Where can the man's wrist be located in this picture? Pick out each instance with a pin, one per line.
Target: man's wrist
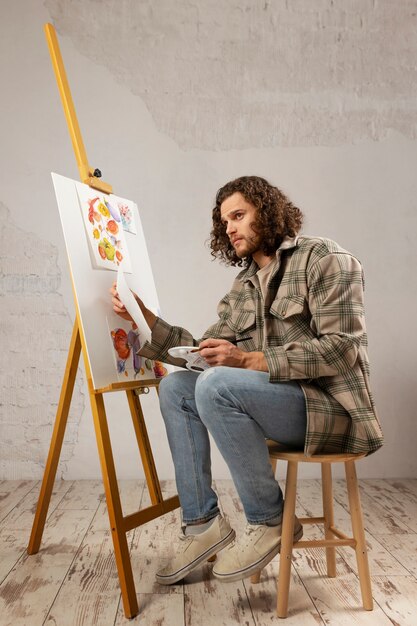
(150, 318)
(255, 361)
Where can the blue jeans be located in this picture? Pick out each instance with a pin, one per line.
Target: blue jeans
(239, 408)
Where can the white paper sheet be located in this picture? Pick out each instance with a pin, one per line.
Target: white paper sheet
(132, 307)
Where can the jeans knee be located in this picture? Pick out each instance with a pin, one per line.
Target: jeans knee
(172, 387)
(207, 386)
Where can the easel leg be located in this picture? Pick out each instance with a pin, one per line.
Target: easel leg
(121, 549)
(144, 447)
(56, 442)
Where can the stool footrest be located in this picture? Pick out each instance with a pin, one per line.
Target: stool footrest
(311, 520)
(324, 543)
(338, 533)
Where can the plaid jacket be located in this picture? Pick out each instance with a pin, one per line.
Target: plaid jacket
(311, 328)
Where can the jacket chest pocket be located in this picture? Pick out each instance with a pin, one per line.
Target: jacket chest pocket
(289, 306)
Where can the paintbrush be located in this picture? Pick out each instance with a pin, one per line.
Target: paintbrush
(235, 341)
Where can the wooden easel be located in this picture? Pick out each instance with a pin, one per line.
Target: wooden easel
(119, 524)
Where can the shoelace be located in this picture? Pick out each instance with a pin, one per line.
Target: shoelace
(186, 539)
(245, 539)
(249, 530)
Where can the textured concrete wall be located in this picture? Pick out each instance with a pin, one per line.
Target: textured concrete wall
(257, 73)
(174, 99)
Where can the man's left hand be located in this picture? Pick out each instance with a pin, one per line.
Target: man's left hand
(222, 352)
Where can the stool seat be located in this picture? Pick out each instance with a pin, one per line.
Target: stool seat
(278, 451)
(333, 536)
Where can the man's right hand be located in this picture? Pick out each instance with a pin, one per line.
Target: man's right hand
(120, 309)
(118, 306)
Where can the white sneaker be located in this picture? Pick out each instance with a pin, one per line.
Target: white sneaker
(195, 549)
(248, 555)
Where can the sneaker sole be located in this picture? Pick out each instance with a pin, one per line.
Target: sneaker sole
(258, 565)
(182, 573)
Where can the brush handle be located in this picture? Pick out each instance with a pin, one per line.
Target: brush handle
(234, 342)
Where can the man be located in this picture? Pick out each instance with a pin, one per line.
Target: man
(300, 377)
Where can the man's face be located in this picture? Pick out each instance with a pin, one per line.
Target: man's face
(238, 215)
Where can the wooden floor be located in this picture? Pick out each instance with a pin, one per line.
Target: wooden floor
(73, 579)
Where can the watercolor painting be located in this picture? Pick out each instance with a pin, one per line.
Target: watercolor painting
(126, 210)
(111, 346)
(129, 365)
(105, 234)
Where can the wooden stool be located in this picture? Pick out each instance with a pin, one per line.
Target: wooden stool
(333, 536)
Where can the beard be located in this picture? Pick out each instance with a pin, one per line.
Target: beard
(247, 246)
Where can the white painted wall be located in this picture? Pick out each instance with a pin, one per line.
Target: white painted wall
(173, 100)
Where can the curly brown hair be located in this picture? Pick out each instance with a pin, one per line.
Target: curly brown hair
(276, 217)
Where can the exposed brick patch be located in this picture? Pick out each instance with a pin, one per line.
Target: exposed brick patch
(35, 332)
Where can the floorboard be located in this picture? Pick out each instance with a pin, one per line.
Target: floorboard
(73, 580)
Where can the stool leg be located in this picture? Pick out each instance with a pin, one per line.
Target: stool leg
(287, 538)
(255, 578)
(327, 491)
(359, 535)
